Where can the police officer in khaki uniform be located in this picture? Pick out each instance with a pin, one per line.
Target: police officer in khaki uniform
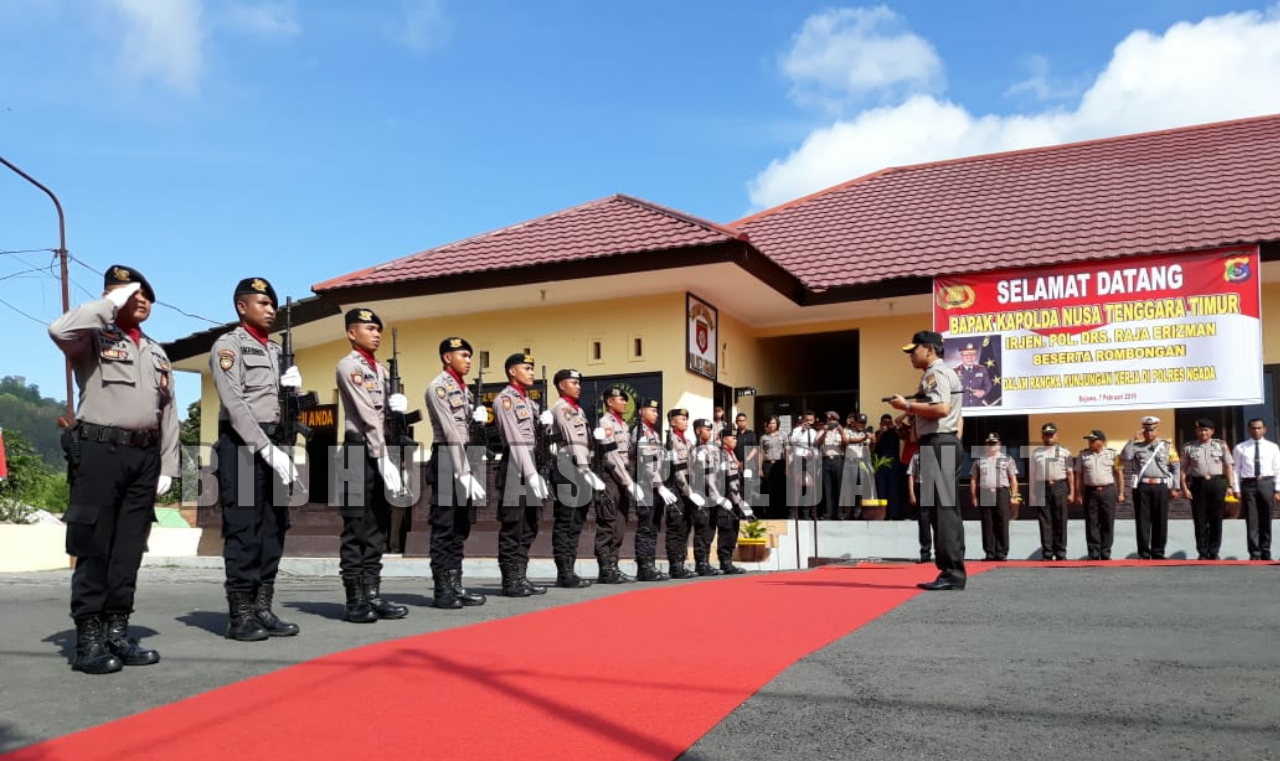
(936, 428)
(707, 483)
(122, 453)
(1053, 489)
(247, 375)
(457, 482)
(572, 482)
(366, 511)
(1206, 477)
(830, 441)
(646, 443)
(521, 490)
(1155, 465)
(975, 378)
(734, 508)
(680, 513)
(993, 480)
(1100, 489)
(623, 491)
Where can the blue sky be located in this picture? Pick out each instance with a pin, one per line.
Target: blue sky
(205, 141)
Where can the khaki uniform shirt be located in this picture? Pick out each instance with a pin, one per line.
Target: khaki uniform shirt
(940, 384)
(995, 472)
(707, 471)
(647, 445)
(1050, 463)
(678, 451)
(449, 405)
(1207, 459)
(571, 428)
(1155, 460)
(774, 445)
(732, 477)
(1097, 468)
(122, 384)
(363, 391)
(619, 458)
(833, 443)
(517, 417)
(246, 375)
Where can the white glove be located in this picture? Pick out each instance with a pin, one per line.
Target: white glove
(747, 474)
(117, 296)
(163, 485)
(480, 414)
(545, 417)
(390, 474)
(280, 463)
(636, 493)
(697, 499)
(398, 403)
(725, 504)
(538, 487)
(594, 481)
(667, 495)
(472, 488)
(747, 512)
(598, 433)
(291, 378)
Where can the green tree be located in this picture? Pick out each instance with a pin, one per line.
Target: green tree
(23, 409)
(31, 481)
(188, 435)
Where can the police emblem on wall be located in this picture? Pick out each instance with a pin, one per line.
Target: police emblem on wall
(702, 337)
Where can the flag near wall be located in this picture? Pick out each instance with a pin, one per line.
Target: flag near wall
(4, 466)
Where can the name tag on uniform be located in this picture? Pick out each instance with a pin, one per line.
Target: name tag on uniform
(455, 398)
(522, 412)
(257, 350)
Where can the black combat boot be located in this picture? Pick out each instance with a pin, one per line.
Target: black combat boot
(511, 586)
(678, 571)
(536, 589)
(92, 655)
(609, 573)
(357, 610)
(648, 570)
(269, 620)
(125, 647)
(728, 568)
(445, 595)
(703, 568)
(566, 578)
(468, 598)
(382, 608)
(243, 625)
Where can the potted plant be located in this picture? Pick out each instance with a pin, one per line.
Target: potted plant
(1231, 510)
(874, 509)
(753, 542)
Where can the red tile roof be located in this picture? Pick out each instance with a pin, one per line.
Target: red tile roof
(606, 227)
(1181, 189)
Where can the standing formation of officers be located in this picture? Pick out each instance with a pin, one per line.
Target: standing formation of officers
(122, 451)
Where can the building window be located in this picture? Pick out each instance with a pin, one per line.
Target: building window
(595, 352)
(484, 360)
(637, 348)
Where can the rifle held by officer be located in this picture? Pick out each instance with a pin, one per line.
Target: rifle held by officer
(292, 401)
(399, 425)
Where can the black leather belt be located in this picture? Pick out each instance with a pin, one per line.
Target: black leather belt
(1255, 480)
(1097, 486)
(1056, 481)
(1205, 478)
(109, 434)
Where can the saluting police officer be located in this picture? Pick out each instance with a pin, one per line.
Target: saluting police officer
(1155, 465)
(122, 453)
(247, 375)
(1206, 478)
(994, 479)
(727, 515)
(646, 443)
(611, 512)
(1100, 489)
(572, 482)
(522, 491)
(679, 513)
(456, 490)
(1053, 489)
(707, 480)
(366, 511)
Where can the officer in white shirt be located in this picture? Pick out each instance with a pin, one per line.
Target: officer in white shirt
(1257, 463)
(802, 492)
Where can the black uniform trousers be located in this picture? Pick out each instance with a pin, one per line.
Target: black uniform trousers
(1256, 496)
(939, 482)
(704, 531)
(1053, 517)
(113, 495)
(1151, 513)
(1208, 502)
(926, 525)
(804, 497)
(253, 530)
(451, 512)
(572, 503)
(648, 524)
(832, 474)
(366, 515)
(1099, 519)
(775, 485)
(727, 525)
(611, 519)
(993, 509)
(518, 514)
(679, 526)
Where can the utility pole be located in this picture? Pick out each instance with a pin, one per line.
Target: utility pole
(62, 260)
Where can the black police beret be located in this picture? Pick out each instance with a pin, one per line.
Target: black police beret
(257, 286)
(677, 412)
(701, 423)
(519, 358)
(928, 337)
(727, 432)
(649, 404)
(453, 343)
(361, 316)
(118, 274)
(993, 438)
(1096, 434)
(566, 374)
(1048, 428)
(1205, 422)
(613, 391)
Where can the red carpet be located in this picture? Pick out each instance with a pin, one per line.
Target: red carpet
(640, 675)
(984, 565)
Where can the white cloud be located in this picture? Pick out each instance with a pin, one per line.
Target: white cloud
(1223, 67)
(1041, 85)
(423, 25)
(844, 54)
(270, 20)
(161, 40)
